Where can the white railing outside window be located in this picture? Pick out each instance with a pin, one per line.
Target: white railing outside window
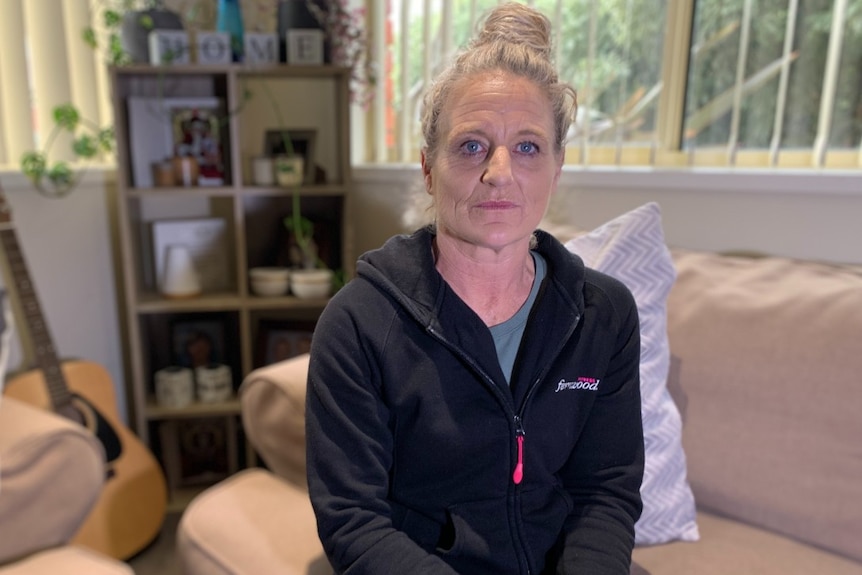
(745, 83)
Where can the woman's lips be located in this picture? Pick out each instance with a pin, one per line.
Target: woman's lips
(496, 205)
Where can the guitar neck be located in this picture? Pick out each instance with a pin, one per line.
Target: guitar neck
(44, 353)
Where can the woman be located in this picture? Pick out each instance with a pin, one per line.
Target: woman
(473, 402)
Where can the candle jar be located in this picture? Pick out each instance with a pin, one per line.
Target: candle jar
(186, 171)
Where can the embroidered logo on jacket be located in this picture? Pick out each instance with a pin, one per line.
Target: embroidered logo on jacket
(590, 383)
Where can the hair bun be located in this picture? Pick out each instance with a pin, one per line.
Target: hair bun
(516, 23)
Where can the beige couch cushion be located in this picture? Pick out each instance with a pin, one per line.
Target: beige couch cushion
(271, 529)
(51, 472)
(68, 559)
(770, 357)
(273, 416)
(727, 547)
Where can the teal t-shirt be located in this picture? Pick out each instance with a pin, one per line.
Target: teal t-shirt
(507, 335)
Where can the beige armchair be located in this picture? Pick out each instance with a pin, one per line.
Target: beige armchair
(51, 473)
(260, 521)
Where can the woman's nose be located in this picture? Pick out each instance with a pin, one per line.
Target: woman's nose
(499, 168)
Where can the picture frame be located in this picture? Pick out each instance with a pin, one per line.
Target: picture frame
(196, 132)
(153, 137)
(195, 342)
(303, 142)
(279, 340)
(205, 445)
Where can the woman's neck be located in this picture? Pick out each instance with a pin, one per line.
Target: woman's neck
(494, 284)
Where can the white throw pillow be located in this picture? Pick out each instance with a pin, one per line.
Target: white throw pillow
(632, 249)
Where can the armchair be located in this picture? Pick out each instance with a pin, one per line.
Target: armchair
(51, 473)
(272, 526)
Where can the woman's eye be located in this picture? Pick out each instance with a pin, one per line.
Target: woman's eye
(527, 148)
(471, 147)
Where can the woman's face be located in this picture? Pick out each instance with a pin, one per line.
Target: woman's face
(496, 165)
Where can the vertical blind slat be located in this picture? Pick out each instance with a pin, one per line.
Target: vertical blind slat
(47, 42)
(99, 59)
(592, 48)
(447, 32)
(379, 50)
(16, 135)
(79, 56)
(406, 112)
(623, 90)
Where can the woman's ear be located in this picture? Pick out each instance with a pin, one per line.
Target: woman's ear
(558, 170)
(426, 171)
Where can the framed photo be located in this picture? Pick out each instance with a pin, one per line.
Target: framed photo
(302, 141)
(196, 133)
(196, 342)
(205, 445)
(157, 130)
(280, 340)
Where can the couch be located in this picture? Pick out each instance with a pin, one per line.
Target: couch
(766, 374)
(51, 473)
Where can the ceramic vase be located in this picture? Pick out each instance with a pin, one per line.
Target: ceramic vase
(134, 35)
(229, 19)
(180, 278)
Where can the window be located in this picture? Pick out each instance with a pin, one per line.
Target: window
(661, 82)
(766, 83)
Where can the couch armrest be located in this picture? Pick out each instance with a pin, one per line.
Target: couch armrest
(51, 473)
(252, 522)
(273, 416)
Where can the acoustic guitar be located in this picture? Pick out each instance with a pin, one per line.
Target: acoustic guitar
(131, 508)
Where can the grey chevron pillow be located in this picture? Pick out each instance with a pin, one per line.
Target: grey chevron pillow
(632, 249)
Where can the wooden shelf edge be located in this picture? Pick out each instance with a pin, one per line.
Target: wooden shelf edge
(155, 411)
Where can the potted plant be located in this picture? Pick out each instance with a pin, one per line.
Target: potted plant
(312, 279)
(127, 24)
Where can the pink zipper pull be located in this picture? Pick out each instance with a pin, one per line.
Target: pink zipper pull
(518, 475)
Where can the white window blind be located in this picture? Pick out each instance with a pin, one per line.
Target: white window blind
(44, 63)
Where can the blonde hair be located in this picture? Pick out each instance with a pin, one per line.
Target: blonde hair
(514, 38)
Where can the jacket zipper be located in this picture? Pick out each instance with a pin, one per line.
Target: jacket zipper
(520, 433)
(518, 474)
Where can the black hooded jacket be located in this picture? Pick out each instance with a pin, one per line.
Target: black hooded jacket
(421, 459)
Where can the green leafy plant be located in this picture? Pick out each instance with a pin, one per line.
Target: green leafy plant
(88, 141)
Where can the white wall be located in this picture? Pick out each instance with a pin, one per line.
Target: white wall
(809, 216)
(67, 242)
(67, 249)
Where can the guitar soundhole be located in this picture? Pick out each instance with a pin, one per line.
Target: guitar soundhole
(92, 419)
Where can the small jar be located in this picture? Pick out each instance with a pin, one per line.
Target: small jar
(163, 174)
(186, 171)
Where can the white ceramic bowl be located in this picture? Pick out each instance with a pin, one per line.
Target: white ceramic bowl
(269, 281)
(308, 284)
